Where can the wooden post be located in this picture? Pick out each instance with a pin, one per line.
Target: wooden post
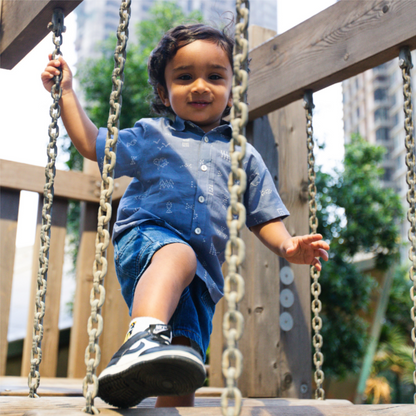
(82, 308)
(9, 207)
(115, 312)
(50, 342)
(276, 362)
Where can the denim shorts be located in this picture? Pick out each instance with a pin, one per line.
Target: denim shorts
(133, 251)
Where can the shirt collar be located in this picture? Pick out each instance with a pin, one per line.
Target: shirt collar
(180, 125)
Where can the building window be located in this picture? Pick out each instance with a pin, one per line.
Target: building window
(388, 173)
(395, 119)
(381, 78)
(358, 112)
(381, 114)
(380, 94)
(382, 134)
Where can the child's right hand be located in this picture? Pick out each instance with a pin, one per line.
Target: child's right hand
(52, 69)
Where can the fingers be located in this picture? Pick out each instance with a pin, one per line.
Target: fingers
(317, 264)
(321, 253)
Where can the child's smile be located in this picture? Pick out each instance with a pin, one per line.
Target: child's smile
(198, 80)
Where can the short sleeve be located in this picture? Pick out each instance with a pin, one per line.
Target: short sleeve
(261, 199)
(128, 149)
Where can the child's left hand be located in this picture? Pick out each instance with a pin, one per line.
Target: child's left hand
(306, 249)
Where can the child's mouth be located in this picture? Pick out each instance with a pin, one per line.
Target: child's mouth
(199, 104)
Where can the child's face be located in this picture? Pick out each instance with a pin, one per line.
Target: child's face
(198, 80)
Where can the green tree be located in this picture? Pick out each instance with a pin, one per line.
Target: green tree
(357, 215)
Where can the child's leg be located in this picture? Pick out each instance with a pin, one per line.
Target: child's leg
(146, 364)
(157, 295)
(159, 289)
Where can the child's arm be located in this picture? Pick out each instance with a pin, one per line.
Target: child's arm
(299, 250)
(79, 127)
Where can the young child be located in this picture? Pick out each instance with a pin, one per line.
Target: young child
(171, 231)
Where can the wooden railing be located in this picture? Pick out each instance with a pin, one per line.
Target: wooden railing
(16, 177)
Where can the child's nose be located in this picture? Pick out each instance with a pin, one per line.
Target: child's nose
(200, 86)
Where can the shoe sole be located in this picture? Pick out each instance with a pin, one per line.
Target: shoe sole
(157, 374)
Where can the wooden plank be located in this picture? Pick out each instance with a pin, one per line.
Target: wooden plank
(50, 340)
(52, 387)
(68, 184)
(9, 207)
(49, 386)
(204, 407)
(82, 308)
(295, 345)
(115, 312)
(216, 378)
(24, 24)
(342, 41)
(260, 308)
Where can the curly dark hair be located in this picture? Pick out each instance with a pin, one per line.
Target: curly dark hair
(171, 42)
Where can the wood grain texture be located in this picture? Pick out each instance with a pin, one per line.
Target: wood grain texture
(68, 184)
(114, 312)
(24, 24)
(342, 41)
(295, 345)
(48, 406)
(9, 207)
(82, 307)
(50, 340)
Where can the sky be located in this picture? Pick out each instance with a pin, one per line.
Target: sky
(25, 112)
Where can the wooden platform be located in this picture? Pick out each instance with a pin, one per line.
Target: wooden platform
(63, 397)
(72, 406)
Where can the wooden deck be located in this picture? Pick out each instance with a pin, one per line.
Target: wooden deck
(72, 406)
(62, 396)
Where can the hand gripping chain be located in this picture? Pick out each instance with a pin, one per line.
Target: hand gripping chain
(95, 322)
(405, 62)
(57, 27)
(236, 217)
(317, 340)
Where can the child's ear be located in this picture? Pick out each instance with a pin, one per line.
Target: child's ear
(230, 101)
(163, 95)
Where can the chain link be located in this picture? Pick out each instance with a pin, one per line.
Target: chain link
(97, 297)
(233, 323)
(405, 62)
(57, 27)
(317, 340)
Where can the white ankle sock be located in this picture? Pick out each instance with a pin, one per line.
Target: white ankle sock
(141, 324)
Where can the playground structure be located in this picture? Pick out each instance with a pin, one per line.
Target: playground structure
(343, 40)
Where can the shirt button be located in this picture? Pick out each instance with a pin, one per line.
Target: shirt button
(204, 168)
(201, 199)
(197, 231)
(206, 140)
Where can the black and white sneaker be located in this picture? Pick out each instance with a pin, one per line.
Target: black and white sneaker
(147, 365)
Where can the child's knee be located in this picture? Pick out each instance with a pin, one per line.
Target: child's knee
(188, 257)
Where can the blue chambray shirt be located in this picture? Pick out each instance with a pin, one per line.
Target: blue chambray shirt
(180, 177)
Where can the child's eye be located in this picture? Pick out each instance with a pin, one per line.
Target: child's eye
(215, 77)
(184, 77)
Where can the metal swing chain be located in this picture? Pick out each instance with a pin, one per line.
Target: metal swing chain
(95, 321)
(233, 323)
(405, 62)
(317, 340)
(57, 27)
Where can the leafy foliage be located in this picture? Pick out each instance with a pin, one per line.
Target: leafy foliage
(357, 215)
